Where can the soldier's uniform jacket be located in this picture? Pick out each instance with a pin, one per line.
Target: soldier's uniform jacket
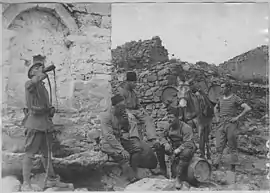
(131, 98)
(38, 105)
(178, 133)
(112, 132)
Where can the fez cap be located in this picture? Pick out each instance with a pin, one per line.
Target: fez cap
(116, 99)
(38, 59)
(131, 76)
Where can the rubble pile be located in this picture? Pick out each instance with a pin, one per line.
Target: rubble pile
(139, 54)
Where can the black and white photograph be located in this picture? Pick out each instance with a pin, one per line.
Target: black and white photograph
(133, 96)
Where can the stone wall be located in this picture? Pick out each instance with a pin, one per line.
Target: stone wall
(74, 37)
(153, 80)
(250, 66)
(139, 54)
(153, 77)
(150, 85)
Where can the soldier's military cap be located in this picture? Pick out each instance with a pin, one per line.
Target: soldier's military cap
(38, 60)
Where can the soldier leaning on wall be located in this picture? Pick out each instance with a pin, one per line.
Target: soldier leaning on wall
(37, 121)
(127, 90)
(120, 140)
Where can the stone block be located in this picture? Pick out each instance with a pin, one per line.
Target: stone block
(152, 78)
(106, 22)
(151, 184)
(67, 166)
(11, 184)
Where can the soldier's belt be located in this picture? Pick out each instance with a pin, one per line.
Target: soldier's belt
(39, 111)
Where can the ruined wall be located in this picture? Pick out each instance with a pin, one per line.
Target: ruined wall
(250, 66)
(139, 54)
(153, 80)
(74, 37)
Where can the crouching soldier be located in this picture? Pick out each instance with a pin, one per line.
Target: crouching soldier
(127, 90)
(120, 140)
(38, 124)
(178, 143)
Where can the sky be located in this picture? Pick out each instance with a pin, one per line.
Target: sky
(210, 32)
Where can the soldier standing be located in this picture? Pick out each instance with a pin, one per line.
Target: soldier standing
(38, 123)
(226, 116)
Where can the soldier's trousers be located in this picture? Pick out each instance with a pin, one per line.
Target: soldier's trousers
(146, 120)
(226, 135)
(143, 117)
(181, 162)
(36, 142)
(141, 154)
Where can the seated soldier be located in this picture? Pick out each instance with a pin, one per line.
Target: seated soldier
(127, 90)
(120, 140)
(178, 142)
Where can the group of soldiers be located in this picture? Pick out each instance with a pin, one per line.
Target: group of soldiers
(122, 128)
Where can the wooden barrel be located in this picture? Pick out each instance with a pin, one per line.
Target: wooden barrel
(199, 170)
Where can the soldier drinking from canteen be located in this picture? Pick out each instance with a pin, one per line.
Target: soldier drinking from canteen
(178, 142)
(38, 123)
(120, 140)
(127, 90)
(226, 115)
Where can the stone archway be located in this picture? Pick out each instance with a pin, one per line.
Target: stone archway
(39, 30)
(13, 10)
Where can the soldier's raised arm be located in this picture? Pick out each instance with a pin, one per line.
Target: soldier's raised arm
(30, 84)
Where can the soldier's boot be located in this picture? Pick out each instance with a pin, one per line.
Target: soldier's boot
(128, 172)
(53, 179)
(202, 144)
(27, 167)
(27, 187)
(180, 168)
(178, 183)
(160, 152)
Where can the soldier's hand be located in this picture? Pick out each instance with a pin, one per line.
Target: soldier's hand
(167, 147)
(125, 155)
(49, 68)
(51, 111)
(177, 151)
(155, 144)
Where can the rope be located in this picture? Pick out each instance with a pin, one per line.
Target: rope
(55, 90)
(47, 139)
